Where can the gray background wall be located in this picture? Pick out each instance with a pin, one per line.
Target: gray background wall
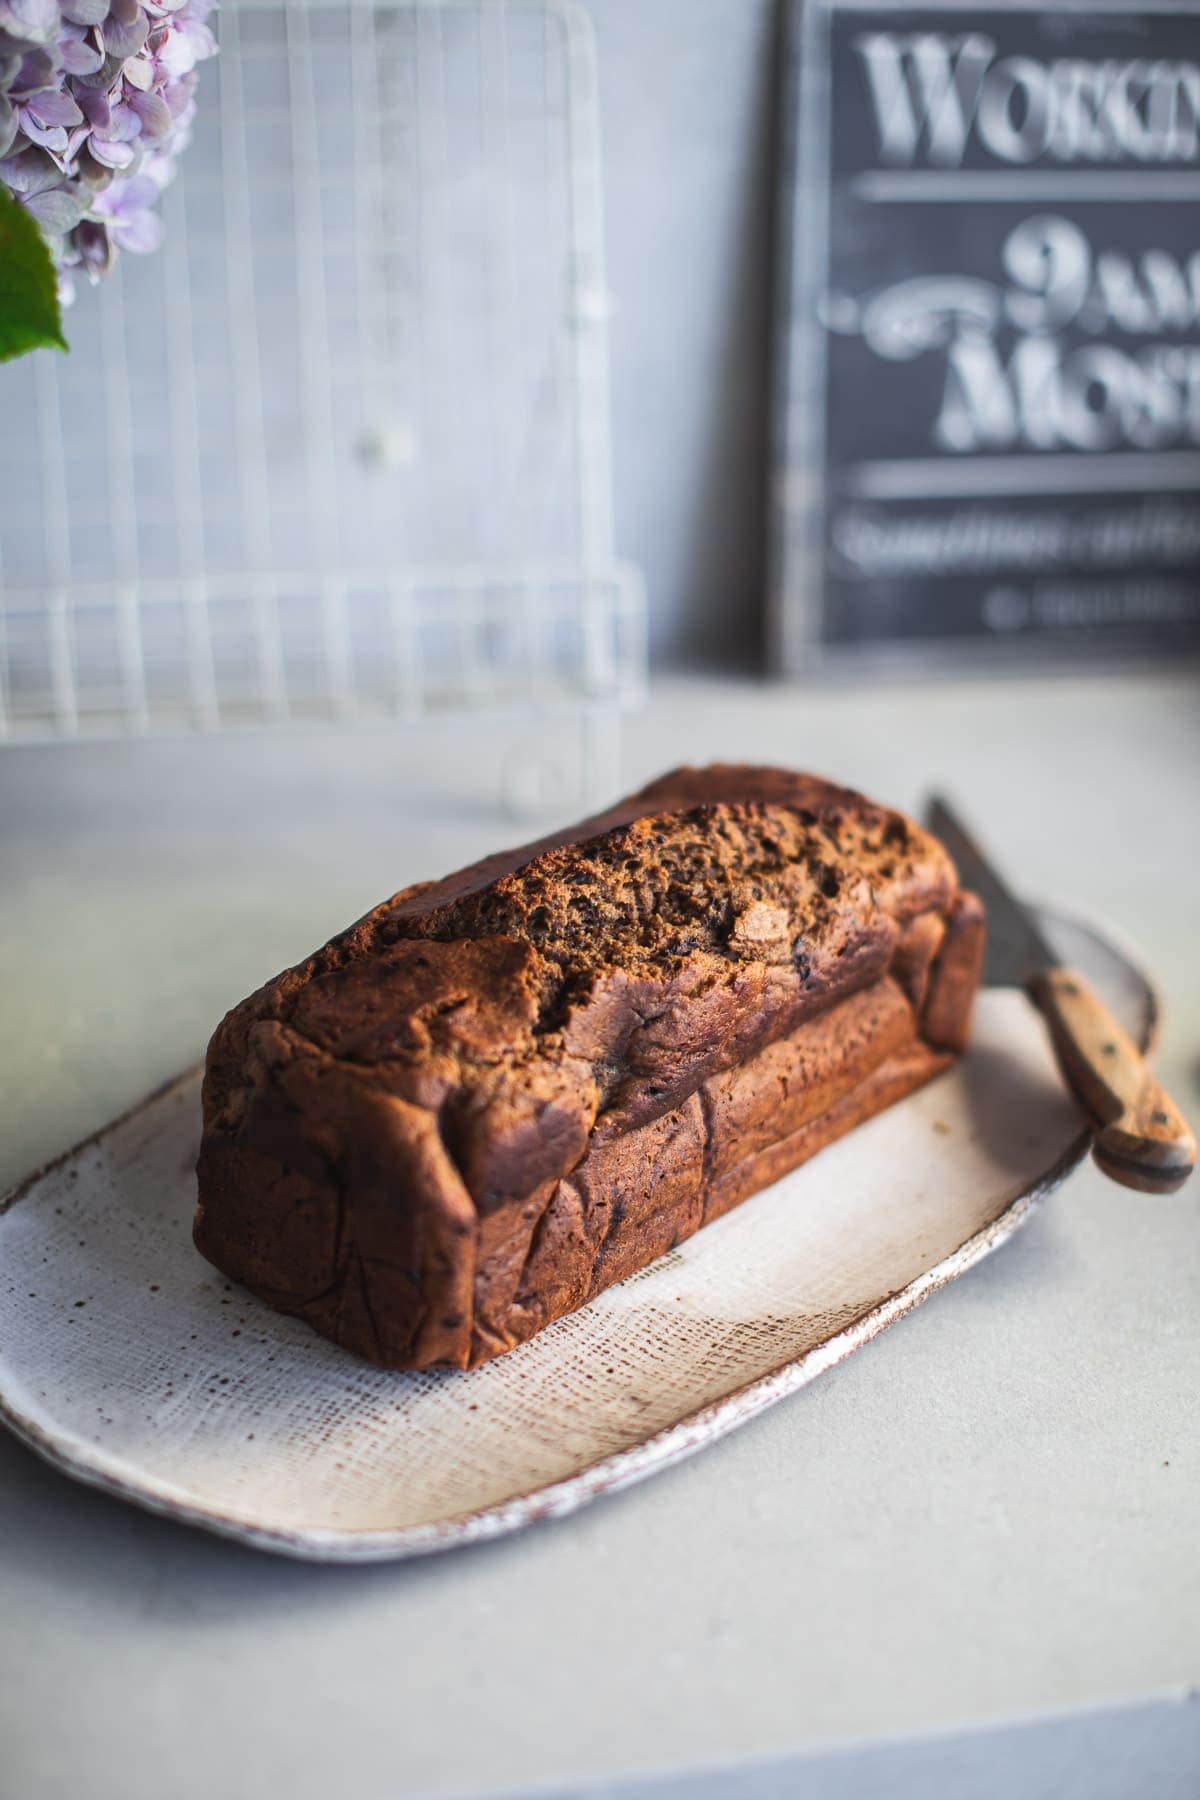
(688, 96)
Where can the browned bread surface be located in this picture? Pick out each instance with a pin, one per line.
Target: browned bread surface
(498, 1093)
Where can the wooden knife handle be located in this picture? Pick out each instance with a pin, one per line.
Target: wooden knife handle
(1142, 1139)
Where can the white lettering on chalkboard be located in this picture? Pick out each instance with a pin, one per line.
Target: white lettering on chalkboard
(1040, 392)
(939, 89)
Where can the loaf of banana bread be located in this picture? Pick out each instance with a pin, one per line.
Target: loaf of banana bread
(498, 1093)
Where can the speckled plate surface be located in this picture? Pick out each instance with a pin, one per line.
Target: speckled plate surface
(131, 1364)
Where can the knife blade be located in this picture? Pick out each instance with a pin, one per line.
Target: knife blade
(1142, 1139)
(1016, 950)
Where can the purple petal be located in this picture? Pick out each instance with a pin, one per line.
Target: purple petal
(33, 19)
(96, 108)
(95, 176)
(56, 211)
(177, 55)
(126, 210)
(142, 192)
(50, 137)
(8, 126)
(75, 140)
(54, 109)
(178, 95)
(107, 75)
(123, 125)
(110, 152)
(84, 12)
(38, 71)
(141, 233)
(80, 53)
(160, 165)
(153, 112)
(139, 73)
(203, 43)
(30, 172)
(124, 11)
(125, 40)
(133, 194)
(65, 159)
(95, 248)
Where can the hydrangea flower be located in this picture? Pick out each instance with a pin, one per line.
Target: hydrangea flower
(96, 103)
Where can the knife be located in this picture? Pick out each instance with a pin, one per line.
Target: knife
(1142, 1139)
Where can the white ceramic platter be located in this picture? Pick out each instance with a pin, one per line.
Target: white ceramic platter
(131, 1364)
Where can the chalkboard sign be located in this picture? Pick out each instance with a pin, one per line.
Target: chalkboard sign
(988, 387)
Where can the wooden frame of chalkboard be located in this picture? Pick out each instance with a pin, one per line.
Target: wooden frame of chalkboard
(987, 383)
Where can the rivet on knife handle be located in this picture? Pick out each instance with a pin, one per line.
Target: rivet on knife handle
(1143, 1140)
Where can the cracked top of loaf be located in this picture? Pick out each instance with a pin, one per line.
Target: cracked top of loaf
(587, 983)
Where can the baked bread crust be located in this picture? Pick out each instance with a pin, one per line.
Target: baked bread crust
(498, 1093)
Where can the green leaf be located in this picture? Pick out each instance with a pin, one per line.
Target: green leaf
(29, 315)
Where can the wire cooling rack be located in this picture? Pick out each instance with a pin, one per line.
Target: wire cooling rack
(340, 450)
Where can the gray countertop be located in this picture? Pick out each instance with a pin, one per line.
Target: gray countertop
(990, 1514)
